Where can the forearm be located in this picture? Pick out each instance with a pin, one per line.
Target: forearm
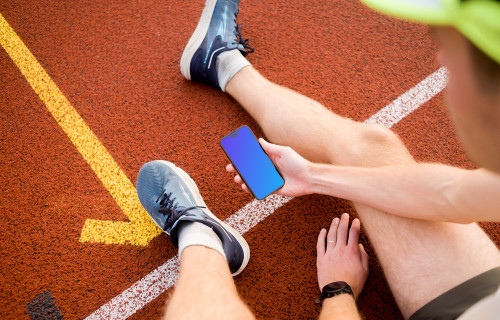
(422, 191)
(341, 306)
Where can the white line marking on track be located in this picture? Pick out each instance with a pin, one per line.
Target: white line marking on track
(162, 278)
(140, 293)
(411, 100)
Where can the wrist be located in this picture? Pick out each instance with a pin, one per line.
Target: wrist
(318, 178)
(308, 181)
(340, 307)
(341, 298)
(334, 289)
(337, 181)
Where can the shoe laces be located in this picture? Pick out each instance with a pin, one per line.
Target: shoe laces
(171, 209)
(240, 41)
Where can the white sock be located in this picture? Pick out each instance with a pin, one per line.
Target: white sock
(228, 64)
(198, 234)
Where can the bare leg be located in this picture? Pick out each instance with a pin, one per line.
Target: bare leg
(319, 135)
(205, 289)
(421, 259)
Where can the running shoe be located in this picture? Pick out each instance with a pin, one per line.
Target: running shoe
(215, 33)
(171, 197)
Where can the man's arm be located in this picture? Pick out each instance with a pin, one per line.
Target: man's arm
(340, 257)
(422, 191)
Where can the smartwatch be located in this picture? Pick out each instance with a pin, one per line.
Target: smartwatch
(333, 289)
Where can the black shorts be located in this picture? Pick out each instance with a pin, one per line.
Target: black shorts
(454, 302)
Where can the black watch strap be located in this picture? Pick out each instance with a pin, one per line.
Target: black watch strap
(333, 289)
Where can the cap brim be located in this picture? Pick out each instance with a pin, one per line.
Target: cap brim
(432, 12)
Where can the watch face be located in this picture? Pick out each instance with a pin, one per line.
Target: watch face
(335, 286)
(333, 289)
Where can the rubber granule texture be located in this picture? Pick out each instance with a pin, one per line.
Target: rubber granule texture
(117, 63)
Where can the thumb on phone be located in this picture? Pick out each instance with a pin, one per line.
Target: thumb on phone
(292, 166)
(269, 148)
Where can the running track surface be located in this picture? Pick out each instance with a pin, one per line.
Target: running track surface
(112, 69)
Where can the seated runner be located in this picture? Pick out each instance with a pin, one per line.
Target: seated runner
(419, 217)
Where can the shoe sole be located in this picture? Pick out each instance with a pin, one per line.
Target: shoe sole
(200, 202)
(197, 38)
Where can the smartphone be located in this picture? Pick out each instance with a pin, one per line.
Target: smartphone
(252, 163)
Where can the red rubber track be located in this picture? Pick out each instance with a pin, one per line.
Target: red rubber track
(117, 62)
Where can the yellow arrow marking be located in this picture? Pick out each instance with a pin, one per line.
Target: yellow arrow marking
(140, 230)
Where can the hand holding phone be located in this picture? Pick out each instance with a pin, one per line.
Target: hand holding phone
(252, 163)
(292, 167)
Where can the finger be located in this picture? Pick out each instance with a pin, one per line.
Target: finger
(331, 238)
(364, 256)
(269, 147)
(354, 233)
(320, 246)
(238, 179)
(342, 230)
(230, 168)
(244, 187)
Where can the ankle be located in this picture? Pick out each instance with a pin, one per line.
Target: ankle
(193, 234)
(228, 64)
(245, 78)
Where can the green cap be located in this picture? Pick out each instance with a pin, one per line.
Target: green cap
(478, 20)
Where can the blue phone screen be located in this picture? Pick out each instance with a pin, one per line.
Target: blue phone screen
(252, 163)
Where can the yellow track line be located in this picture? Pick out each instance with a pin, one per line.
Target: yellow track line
(140, 230)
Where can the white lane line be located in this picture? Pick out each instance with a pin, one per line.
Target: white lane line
(161, 279)
(140, 293)
(411, 100)
(254, 212)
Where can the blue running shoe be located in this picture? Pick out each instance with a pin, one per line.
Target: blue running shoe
(170, 197)
(215, 33)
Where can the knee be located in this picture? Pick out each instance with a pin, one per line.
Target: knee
(380, 136)
(377, 145)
